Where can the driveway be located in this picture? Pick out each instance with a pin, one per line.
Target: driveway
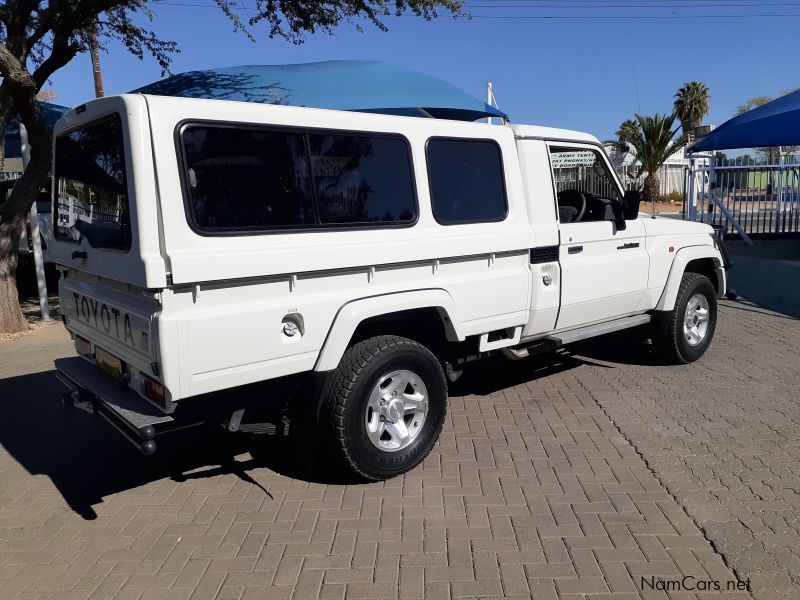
(593, 473)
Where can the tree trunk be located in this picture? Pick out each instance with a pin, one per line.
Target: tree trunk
(11, 318)
(652, 188)
(16, 209)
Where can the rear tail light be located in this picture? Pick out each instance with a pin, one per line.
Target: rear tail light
(84, 347)
(29, 233)
(154, 391)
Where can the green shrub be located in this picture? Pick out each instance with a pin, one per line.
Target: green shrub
(671, 198)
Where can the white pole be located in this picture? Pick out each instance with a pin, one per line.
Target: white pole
(37, 240)
(489, 99)
(779, 214)
(691, 200)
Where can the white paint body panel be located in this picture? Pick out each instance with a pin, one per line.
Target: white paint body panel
(218, 303)
(605, 278)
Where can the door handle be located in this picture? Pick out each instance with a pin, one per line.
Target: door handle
(575, 249)
(628, 245)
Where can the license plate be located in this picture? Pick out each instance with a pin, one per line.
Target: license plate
(109, 364)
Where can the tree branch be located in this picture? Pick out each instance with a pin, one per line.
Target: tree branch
(17, 25)
(10, 66)
(43, 26)
(63, 52)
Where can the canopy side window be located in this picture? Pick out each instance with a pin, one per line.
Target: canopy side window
(250, 179)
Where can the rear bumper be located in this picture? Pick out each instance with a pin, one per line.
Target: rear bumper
(90, 390)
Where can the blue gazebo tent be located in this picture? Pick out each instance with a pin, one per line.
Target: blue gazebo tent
(366, 86)
(776, 123)
(51, 112)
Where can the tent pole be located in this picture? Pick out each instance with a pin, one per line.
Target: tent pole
(691, 212)
(489, 99)
(691, 201)
(36, 237)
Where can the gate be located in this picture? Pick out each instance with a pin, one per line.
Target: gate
(760, 199)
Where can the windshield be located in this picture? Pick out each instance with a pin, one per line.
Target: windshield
(91, 186)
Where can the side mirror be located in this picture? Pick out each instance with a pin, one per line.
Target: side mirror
(619, 218)
(630, 204)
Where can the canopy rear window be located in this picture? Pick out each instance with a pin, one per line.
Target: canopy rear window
(91, 186)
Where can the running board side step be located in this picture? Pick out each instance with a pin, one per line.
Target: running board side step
(583, 333)
(551, 342)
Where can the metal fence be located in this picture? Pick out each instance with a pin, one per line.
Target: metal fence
(763, 198)
(671, 178)
(597, 182)
(585, 180)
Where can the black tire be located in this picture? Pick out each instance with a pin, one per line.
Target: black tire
(363, 365)
(670, 339)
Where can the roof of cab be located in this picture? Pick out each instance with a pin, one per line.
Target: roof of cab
(552, 133)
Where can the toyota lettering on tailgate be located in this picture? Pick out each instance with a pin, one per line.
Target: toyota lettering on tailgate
(115, 322)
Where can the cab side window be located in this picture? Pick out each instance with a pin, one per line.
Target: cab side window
(466, 181)
(585, 188)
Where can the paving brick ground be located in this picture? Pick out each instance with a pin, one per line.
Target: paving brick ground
(723, 436)
(532, 492)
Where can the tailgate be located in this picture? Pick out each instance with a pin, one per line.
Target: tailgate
(120, 319)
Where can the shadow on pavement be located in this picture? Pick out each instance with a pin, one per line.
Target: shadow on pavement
(747, 306)
(768, 274)
(87, 460)
(624, 347)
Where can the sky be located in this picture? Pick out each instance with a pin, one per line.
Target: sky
(595, 64)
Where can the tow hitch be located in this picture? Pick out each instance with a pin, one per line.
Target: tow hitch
(141, 437)
(93, 392)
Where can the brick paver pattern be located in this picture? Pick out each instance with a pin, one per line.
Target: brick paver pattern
(723, 435)
(532, 491)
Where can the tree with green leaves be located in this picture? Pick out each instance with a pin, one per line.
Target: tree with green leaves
(39, 37)
(769, 153)
(653, 145)
(752, 103)
(691, 105)
(628, 131)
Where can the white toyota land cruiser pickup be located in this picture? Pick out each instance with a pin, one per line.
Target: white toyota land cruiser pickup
(205, 245)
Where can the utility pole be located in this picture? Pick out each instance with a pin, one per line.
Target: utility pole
(98, 75)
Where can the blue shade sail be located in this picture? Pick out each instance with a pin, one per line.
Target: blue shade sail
(776, 123)
(364, 86)
(51, 112)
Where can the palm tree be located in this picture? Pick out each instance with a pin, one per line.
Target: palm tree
(653, 146)
(628, 131)
(691, 105)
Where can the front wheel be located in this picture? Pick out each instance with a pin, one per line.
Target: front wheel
(386, 406)
(687, 330)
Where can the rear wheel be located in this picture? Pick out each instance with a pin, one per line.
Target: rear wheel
(386, 406)
(687, 330)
